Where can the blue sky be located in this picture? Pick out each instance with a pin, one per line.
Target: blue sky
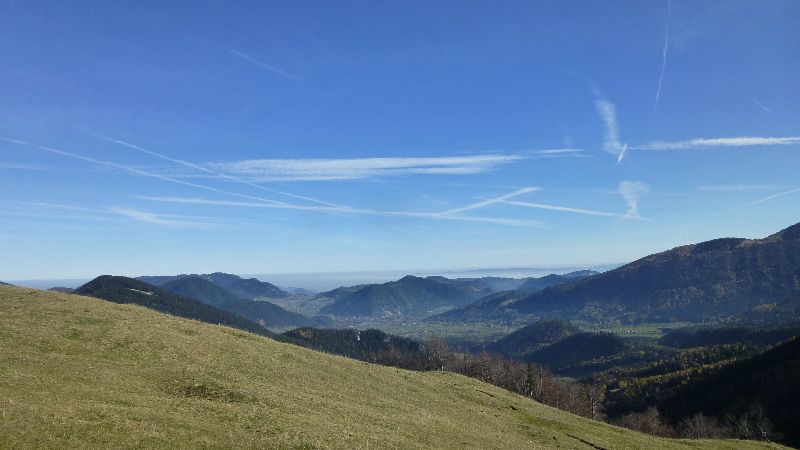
(256, 137)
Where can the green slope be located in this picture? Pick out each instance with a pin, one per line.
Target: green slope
(79, 372)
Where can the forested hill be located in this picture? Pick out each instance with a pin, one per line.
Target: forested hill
(373, 346)
(128, 290)
(263, 312)
(766, 386)
(521, 343)
(409, 295)
(719, 278)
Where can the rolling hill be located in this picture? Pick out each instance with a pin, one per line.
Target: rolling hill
(409, 295)
(521, 343)
(487, 308)
(578, 349)
(716, 279)
(246, 288)
(80, 372)
(262, 312)
(129, 290)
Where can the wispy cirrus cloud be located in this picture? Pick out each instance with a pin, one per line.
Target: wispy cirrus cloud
(360, 168)
(707, 143)
(608, 113)
(631, 192)
(255, 201)
(204, 169)
(262, 64)
(347, 167)
(350, 211)
(134, 170)
(168, 220)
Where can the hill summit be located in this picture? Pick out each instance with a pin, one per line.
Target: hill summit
(710, 280)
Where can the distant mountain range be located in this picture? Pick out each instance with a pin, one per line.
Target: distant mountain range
(129, 290)
(537, 284)
(419, 296)
(409, 295)
(721, 278)
(246, 288)
(262, 312)
(477, 311)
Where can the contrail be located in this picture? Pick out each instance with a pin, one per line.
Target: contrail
(663, 56)
(213, 172)
(483, 203)
(140, 172)
(263, 65)
(766, 199)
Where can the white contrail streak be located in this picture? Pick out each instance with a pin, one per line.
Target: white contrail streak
(140, 172)
(663, 56)
(210, 171)
(484, 203)
(263, 65)
(562, 208)
(766, 199)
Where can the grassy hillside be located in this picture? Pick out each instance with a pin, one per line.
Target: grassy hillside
(80, 372)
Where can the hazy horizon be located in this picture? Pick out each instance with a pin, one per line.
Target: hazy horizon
(320, 281)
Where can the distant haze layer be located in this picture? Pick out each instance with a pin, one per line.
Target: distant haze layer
(323, 281)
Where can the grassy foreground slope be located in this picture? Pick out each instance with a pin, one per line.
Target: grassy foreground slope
(81, 372)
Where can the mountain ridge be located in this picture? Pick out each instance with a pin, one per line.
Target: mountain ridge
(262, 312)
(246, 288)
(407, 296)
(704, 281)
(124, 290)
